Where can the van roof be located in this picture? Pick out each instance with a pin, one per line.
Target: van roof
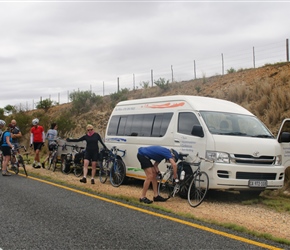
(199, 103)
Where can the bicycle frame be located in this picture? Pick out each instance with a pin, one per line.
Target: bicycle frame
(17, 160)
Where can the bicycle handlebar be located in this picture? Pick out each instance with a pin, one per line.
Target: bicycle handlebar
(197, 159)
(15, 149)
(116, 150)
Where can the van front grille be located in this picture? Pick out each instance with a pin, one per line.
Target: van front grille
(249, 159)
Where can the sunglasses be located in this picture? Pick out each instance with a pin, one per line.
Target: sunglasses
(89, 129)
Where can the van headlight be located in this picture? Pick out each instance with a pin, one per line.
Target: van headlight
(278, 160)
(219, 157)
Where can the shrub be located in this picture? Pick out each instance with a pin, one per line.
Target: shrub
(83, 100)
(65, 124)
(45, 104)
(162, 83)
(144, 85)
(231, 70)
(116, 97)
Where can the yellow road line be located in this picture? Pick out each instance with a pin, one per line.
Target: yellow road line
(204, 228)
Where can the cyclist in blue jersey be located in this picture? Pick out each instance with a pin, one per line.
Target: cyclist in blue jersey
(6, 146)
(158, 154)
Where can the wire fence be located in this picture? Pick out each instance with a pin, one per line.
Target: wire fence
(195, 68)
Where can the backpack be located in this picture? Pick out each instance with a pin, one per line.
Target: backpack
(2, 139)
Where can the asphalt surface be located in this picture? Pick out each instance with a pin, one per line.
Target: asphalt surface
(36, 215)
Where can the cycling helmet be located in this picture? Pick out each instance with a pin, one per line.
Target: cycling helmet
(2, 123)
(35, 121)
(174, 154)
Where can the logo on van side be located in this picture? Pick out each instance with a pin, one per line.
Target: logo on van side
(165, 105)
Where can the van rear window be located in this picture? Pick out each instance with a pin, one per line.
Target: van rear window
(145, 125)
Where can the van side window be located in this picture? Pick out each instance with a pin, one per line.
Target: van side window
(186, 121)
(149, 125)
(161, 124)
(114, 124)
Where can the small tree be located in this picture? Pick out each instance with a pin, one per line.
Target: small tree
(144, 84)
(82, 100)
(9, 109)
(45, 104)
(162, 83)
(231, 70)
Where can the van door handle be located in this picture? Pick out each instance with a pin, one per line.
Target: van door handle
(177, 141)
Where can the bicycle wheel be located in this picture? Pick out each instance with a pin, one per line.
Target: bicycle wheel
(104, 171)
(50, 162)
(22, 164)
(117, 173)
(78, 170)
(65, 166)
(54, 162)
(198, 189)
(15, 168)
(184, 186)
(165, 185)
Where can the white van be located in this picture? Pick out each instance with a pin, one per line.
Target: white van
(246, 154)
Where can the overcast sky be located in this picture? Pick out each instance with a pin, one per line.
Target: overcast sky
(51, 48)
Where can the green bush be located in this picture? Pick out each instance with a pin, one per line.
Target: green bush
(45, 104)
(162, 83)
(231, 70)
(144, 84)
(116, 97)
(83, 100)
(65, 124)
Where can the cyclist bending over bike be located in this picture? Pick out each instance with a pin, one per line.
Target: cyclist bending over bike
(91, 152)
(158, 154)
(51, 136)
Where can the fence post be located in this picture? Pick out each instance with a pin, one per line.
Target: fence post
(118, 85)
(194, 69)
(223, 64)
(287, 50)
(254, 58)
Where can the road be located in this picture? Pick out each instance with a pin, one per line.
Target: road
(39, 215)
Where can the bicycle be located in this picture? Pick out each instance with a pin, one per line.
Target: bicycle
(111, 165)
(53, 158)
(17, 160)
(73, 162)
(194, 186)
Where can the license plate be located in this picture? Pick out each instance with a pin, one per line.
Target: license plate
(257, 183)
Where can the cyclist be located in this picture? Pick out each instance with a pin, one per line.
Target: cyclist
(6, 147)
(92, 151)
(37, 139)
(51, 136)
(15, 133)
(158, 154)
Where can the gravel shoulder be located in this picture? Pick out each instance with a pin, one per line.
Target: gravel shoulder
(217, 209)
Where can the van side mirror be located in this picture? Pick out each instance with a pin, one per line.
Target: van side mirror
(197, 131)
(285, 137)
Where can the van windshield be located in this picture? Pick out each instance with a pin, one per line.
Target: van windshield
(222, 123)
